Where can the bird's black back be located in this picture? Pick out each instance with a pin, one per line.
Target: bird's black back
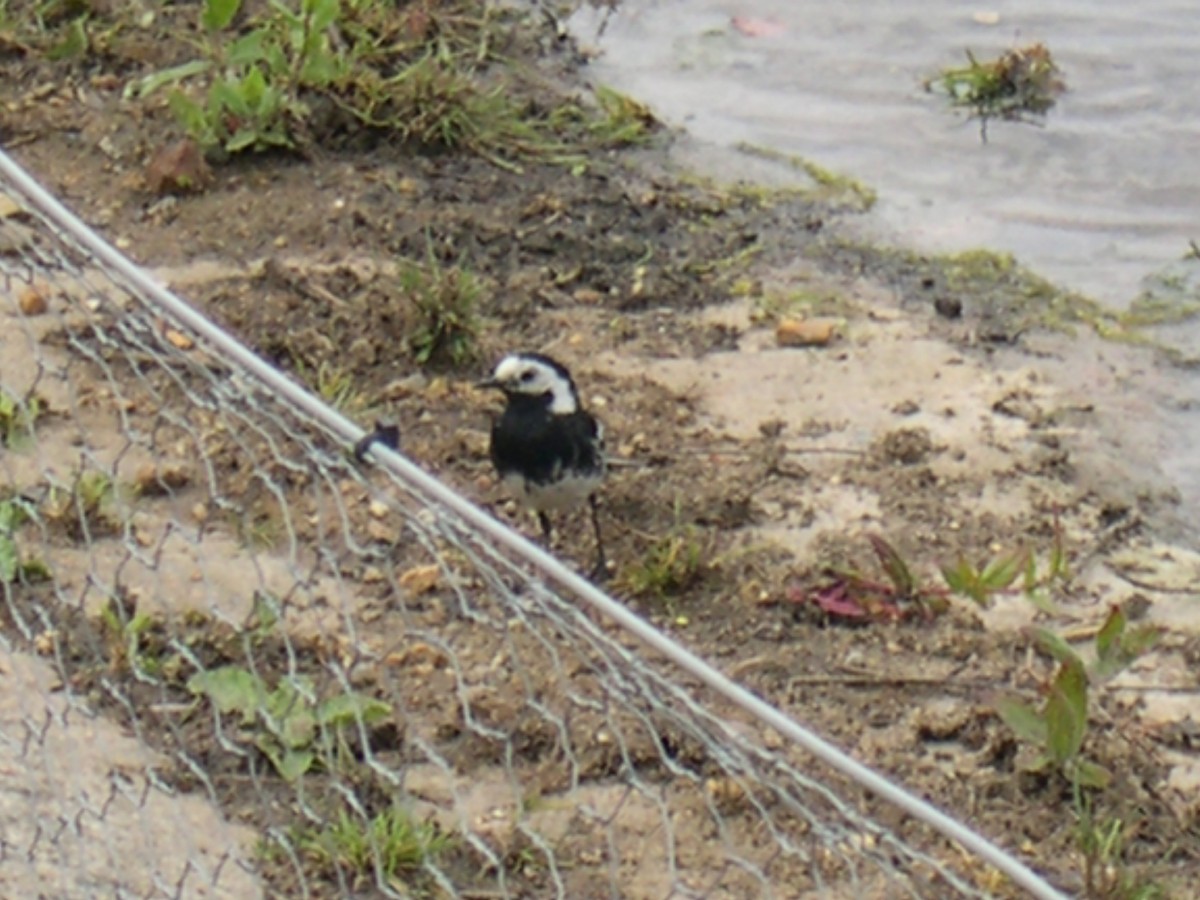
(531, 441)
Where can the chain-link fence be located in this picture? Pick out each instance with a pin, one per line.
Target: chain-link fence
(241, 663)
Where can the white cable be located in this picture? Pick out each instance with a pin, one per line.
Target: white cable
(408, 472)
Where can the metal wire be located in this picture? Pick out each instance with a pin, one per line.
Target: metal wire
(558, 744)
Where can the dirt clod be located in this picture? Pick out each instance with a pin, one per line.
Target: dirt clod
(906, 446)
(178, 168)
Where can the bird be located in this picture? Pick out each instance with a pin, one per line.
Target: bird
(546, 448)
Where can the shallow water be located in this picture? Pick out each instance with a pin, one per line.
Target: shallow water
(1104, 196)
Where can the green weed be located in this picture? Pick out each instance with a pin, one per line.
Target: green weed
(999, 575)
(444, 326)
(335, 385)
(1101, 844)
(125, 634)
(17, 418)
(1021, 85)
(421, 74)
(256, 79)
(853, 594)
(88, 506)
(1056, 728)
(670, 566)
(287, 723)
(617, 121)
(15, 512)
(389, 843)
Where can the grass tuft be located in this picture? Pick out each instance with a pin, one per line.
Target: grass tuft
(1021, 85)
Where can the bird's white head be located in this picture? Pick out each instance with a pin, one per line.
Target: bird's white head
(535, 374)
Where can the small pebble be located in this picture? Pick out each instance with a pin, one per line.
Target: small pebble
(805, 332)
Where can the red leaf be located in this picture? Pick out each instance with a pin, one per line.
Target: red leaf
(835, 600)
(751, 27)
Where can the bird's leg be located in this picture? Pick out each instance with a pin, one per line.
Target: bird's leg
(601, 570)
(544, 521)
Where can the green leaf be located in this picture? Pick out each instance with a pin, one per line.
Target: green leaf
(346, 709)
(1042, 602)
(219, 13)
(10, 561)
(1031, 579)
(13, 513)
(252, 87)
(963, 579)
(1026, 722)
(297, 729)
(226, 96)
(289, 713)
(288, 15)
(242, 139)
(1058, 560)
(1108, 638)
(1055, 646)
(74, 43)
(321, 68)
(1089, 774)
(295, 763)
(1040, 763)
(265, 613)
(1117, 649)
(293, 693)
(230, 689)
(277, 61)
(291, 764)
(958, 577)
(144, 87)
(190, 115)
(324, 13)
(1001, 572)
(247, 49)
(894, 566)
(1066, 712)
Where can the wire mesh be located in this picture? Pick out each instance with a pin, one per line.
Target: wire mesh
(241, 663)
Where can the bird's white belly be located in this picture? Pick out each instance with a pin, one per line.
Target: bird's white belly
(566, 493)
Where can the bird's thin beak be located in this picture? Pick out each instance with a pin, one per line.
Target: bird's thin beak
(489, 383)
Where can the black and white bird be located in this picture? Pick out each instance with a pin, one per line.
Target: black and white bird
(547, 449)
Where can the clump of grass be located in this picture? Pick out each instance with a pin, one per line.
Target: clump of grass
(444, 324)
(335, 385)
(390, 842)
(670, 566)
(1101, 843)
(618, 120)
(1021, 85)
(281, 75)
(434, 104)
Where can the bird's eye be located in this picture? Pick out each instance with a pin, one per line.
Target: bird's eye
(527, 376)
